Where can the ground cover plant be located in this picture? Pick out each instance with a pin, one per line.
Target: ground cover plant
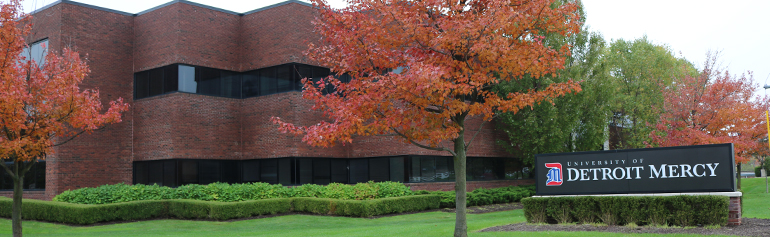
(223, 192)
(483, 196)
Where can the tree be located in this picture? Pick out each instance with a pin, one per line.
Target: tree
(41, 104)
(640, 71)
(714, 107)
(573, 122)
(449, 54)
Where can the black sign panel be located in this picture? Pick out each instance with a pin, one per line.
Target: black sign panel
(704, 168)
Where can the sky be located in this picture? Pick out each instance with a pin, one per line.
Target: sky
(740, 29)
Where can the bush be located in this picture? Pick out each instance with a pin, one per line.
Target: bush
(85, 214)
(585, 209)
(223, 192)
(758, 171)
(484, 196)
(366, 208)
(535, 209)
(559, 209)
(612, 210)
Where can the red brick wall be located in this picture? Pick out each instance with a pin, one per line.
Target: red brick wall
(39, 195)
(104, 39)
(277, 35)
(156, 35)
(183, 125)
(262, 139)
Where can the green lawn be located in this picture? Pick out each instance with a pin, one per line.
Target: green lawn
(756, 204)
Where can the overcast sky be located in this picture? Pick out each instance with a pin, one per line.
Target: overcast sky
(740, 28)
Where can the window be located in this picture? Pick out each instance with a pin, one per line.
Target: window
(186, 79)
(36, 52)
(223, 83)
(33, 180)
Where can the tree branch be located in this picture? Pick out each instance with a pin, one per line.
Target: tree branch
(421, 145)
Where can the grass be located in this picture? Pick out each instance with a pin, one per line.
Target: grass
(421, 224)
(756, 204)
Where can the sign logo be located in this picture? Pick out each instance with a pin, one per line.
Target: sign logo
(554, 175)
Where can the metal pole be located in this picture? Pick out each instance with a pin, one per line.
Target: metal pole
(767, 122)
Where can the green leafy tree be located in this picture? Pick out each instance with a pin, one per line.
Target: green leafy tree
(574, 122)
(640, 71)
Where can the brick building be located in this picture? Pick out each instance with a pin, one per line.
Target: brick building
(202, 83)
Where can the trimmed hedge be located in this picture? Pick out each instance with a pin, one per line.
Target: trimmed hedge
(85, 214)
(681, 210)
(366, 208)
(484, 196)
(223, 192)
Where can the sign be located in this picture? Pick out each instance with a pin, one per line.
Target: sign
(704, 168)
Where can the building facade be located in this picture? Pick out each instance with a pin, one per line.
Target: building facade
(202, 84)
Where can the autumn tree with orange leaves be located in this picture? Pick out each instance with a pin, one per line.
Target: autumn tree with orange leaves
(448, 54)
(41, 104)
(714, 107)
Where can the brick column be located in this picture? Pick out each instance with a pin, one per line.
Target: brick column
(734, 216)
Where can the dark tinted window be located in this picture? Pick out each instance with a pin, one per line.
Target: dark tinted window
(397, 169)
(305, 171)
(142, 84)
(231, 84)
(250, 84)
(251, 171)
(285, 171)
(209, 81)
(156, 172)
(156, 81)
(169, 173)
(302, 71)
(170, 78)
(444, 169)
(414, 171)
(189, 172)
(427, 169)
(339, 170)
(269, 171)
(208, 172)
(267, 81)
(359, 170)
(379, 169)
(141, 173)
(229, 171)
(321, 171)
(283, 78)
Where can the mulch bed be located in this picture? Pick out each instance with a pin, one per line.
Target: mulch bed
(748, 227)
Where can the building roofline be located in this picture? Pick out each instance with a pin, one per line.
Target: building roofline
(169, 3)
(82, 5)
(277, 5)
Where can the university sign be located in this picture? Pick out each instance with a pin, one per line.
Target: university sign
(705, 168)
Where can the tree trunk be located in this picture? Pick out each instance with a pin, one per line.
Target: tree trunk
(18, 184)
(461, 225)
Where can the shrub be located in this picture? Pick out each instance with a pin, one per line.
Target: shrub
(679, 210)
(559, 208)
(535, 209)
(366, 208)
(585, 209)
(223, 192)
(484, 196)
(85, 214)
